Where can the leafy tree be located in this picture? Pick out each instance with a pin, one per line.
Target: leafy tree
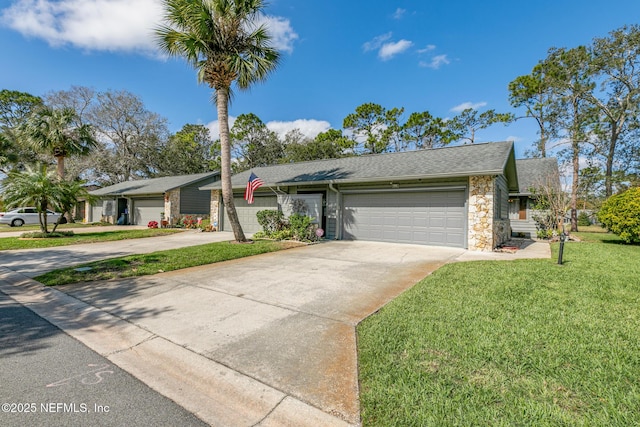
(191, 150)
(392, 133)
(615, 63)
(54, 132)
(569, 76)
(465, 125)
(620, 214)
(326, 145)
(253, 143)
(535, 93)
(68, 194)
(368, 125)
(422, 130)
(221, 40)
(15, 107)
(33, 187)
(131, 137)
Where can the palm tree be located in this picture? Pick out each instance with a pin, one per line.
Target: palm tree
(33, 187)
(222, 41)
(55, 131)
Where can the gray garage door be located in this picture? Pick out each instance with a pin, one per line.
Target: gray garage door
(247, 213)
(145, 210)
(425, 217)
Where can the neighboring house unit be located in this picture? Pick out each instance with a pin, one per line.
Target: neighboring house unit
(152, 199)
(532, 173)
(454, 196)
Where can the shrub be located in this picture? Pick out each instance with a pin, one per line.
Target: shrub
(271, 221)
(152, 224)
(302, 227)
(584, 220)
(620, 214)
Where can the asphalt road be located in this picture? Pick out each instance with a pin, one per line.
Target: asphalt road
(48, 378)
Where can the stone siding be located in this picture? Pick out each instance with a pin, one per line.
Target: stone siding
(481, 222)
(172, 206)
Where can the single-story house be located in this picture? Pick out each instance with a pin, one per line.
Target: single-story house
(155, 199)
(453, 196)
(532, 173)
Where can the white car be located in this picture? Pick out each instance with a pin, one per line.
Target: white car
(21, 216)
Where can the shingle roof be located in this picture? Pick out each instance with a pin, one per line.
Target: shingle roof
(152, 186)
(466, 160)
(535, 172)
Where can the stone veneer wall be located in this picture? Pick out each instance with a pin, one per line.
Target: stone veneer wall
(481, 231)
(215, 209)
(172, 206)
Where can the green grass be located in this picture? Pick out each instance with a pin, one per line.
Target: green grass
(145, 264)
(10, 243)
(505, 343)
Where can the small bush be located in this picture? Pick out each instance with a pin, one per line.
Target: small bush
(271, 221)
(152, 224)
(302, 228)
(583, 219)
(620, 214)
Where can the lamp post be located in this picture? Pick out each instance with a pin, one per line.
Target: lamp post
(563, 237)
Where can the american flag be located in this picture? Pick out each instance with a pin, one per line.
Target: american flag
(254, 182)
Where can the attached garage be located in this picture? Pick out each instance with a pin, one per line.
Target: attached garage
(454, 196)
(145, 210)
(247, 213)
(420, 217)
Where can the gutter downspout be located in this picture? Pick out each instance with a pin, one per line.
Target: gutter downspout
(338, 211)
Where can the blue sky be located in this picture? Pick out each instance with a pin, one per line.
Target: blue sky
(438, 56)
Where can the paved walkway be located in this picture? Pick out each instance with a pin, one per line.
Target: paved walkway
(266, 340)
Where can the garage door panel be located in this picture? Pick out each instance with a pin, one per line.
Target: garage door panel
(145, 210)
(429, 217)
(247, 214)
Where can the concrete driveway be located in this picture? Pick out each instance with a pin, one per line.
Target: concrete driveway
(266, 340)
(281, 324)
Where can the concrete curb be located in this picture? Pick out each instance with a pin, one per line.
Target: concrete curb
(215, 393)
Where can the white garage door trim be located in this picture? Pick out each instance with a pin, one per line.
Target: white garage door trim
(247, 213)
(420, 216)
(145, 210)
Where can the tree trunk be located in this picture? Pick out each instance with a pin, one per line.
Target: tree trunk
(222, 102)
(608, 175)
(574, 186)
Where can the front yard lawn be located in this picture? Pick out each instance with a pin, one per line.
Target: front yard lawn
(9, 243)
(145, 264)
(503, 343)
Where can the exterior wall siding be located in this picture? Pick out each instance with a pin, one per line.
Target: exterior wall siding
(193, 201)
(481, 213)
(501, 226)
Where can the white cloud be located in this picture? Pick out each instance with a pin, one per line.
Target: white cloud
(399, 13)
(436, 62)
(108, 25)
(309, 127)
(465, 105)
(427, 48)
(214, 127)
(389, 50)
(112, 25)
(376, 42)
(281, 32)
